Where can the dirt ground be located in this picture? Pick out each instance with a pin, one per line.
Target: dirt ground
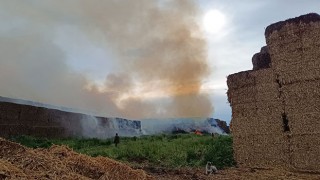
(231, 173)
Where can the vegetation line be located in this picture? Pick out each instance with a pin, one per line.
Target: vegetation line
(169, 151)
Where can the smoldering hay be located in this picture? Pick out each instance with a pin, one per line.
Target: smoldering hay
(157, 48)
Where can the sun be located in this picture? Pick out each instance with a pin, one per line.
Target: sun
(214, 21)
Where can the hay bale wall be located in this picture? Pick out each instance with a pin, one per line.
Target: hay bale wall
(19, 119)
(257, 124)
(277, 109)
(294, 47)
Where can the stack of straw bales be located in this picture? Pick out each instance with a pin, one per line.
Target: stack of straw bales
(294, 46)
(275, 111)
(257, 124)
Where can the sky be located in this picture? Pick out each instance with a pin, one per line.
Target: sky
(134, 59)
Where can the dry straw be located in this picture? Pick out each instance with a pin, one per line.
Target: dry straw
(285, 95)
(60, 162)
(265, 151)
(305, 152)
(303, 97)
(294, 48)
(304, 123)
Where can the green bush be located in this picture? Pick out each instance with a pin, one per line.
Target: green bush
(220, 152)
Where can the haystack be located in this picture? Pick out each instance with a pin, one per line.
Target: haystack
(294, 48)
(305, 152)
(278, 125)
(257, 119)
(295, 52)
(59, 162)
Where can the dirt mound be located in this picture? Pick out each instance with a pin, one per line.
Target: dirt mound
(59, 162)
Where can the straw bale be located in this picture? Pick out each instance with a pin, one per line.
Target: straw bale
(28, 114)
(267, 92)
(245, 126)
(10, 113)
(271, 124)
(50, 132)
(306, 152)
(43, 118)
(269, 108)
(302, 97)
(290, 87)
(294, 51)
(296, 72)
(271, 151)
(258, 93)
(255, 60)
(290, 77)
(8, 130)
(242, 151)
(5, 132)
(311, 36)
(304, 19)
(241, 95)
(70, 121)
(261, 151)
(261, 61)
(264, 50)
(250, 78)
(304, 123)
(263, 76)
(240, 79)
(244, 110)
(311, 107)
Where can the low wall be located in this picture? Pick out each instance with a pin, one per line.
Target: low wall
(18, 119)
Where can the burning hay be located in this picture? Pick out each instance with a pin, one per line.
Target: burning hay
(59, 162)
(275, 111)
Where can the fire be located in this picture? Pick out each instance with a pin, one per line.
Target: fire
(197, 132)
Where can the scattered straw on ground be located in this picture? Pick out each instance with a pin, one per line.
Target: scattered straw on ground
(230, 174)
(60, 162)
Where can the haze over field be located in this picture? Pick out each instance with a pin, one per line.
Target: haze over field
(133, 59)
(154, 64)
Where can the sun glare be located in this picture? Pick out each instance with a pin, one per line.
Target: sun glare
(214, 21)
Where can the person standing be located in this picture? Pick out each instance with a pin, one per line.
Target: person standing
(116, 140)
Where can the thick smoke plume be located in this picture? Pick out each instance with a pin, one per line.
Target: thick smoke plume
(157, 46)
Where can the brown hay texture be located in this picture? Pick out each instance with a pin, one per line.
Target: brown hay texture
(294, 51)
(257, 119)
(275, 111)
(59, 162)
